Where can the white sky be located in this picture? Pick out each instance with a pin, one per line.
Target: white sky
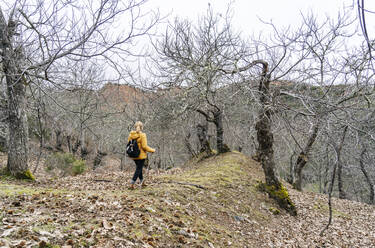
(247, 12)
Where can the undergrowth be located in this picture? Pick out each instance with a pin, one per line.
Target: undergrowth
(66, 163)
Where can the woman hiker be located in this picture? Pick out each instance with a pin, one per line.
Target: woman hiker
(144, 148)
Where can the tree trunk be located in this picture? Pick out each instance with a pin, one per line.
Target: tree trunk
(188, 145)
(41, 138)
(338, 149)
(98, 159)
(326, 179)
(162, 154)
(4, 134)
(368, 179)
(76, 146)
(69, 143)
(304, 157)
(59, 141)
(264, 133)
(84, 149)
(203, 139)
(265, 148)
(84, 152)
(122, 162)
(18, 150)
(218, 120)
(342, 194)
(291, 177)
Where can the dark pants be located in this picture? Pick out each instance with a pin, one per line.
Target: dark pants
(138, 171)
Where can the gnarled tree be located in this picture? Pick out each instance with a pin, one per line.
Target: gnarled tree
(194, 59)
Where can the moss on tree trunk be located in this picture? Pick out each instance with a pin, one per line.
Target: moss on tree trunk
(280, 195)
(273, 186)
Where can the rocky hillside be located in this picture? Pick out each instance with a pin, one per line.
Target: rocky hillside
(212, 203)
(121, 95)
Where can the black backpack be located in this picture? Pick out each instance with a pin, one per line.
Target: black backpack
(132, 149)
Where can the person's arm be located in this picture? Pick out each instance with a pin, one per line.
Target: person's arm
(145, 147)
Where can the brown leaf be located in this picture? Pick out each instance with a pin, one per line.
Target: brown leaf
(70, 242)
(107, 225)
(181, 239)
(42, 244)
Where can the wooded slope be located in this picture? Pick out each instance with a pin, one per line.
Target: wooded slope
(212, 203)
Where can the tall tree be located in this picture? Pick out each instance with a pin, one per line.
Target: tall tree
(265, 140)
(16, 91)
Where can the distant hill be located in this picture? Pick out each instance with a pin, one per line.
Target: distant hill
(121, 92)
(121, 95)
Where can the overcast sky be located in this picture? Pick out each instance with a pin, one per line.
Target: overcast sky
(247, 12)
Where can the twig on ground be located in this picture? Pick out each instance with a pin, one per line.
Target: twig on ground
(102, 180)
(190, 184)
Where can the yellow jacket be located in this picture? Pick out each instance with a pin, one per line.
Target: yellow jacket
(142, 143)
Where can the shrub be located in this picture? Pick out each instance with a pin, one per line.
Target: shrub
(66, 163)
(79, 166)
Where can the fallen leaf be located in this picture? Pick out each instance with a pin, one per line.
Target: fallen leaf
(107, 225)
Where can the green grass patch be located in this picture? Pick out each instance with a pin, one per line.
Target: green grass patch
(7, 189)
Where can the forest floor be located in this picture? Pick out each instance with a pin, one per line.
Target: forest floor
(214, 203)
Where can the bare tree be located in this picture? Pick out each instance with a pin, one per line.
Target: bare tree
(265, 139)
(38, 125)
(195, 58)
(365, 172)
(328, 86)
(39, 38)
(337, 148)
